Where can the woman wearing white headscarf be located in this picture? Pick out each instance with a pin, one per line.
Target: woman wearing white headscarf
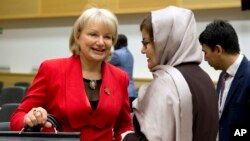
(180, 103)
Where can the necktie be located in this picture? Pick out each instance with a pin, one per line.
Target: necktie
(224, 78)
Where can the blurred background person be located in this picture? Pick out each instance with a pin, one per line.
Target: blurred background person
(122, 58)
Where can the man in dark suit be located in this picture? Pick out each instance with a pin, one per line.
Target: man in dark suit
(220, 44)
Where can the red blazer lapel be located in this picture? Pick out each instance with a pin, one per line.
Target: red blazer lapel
(79, 111)
(111, 97)
(78, 105)
(106, 100)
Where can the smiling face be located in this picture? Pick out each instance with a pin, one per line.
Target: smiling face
(95, 41)
(148, 49)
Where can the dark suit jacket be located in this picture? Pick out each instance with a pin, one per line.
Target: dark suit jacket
(59, 88)
(237, 106)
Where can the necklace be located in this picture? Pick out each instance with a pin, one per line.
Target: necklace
(92, 84)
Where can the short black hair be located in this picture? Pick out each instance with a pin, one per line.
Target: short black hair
(222, 33)
(122, 41)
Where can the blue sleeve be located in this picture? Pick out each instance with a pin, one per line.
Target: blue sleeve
(114, 59)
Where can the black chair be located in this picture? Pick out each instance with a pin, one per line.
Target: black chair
(21, 83)
(5, 126)
(1, 84)
(1, 87)
(12, 95)
(7, 110)
(5, 115)
(26, 85)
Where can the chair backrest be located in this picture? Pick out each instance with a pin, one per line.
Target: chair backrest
(26, 85)
(4, 69)
(5, 126)
(12, 95)
(22, 84)
(7, 110)
(1, 87)
(1, 84)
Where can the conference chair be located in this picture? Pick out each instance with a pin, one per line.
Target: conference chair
(5, 115)
(22, 83)
(13, 94)
(1, 87)
(5, 126)
(7, 110)
(1, 84)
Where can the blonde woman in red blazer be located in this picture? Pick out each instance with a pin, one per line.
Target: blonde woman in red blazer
(83, 92)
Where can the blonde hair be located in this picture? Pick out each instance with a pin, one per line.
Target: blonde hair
(103, 16)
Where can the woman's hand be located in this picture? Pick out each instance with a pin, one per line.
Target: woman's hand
(37, 116)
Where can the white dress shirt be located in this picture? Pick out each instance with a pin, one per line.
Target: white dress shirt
(231, 71)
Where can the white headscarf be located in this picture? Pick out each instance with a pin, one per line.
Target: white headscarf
(175, 36)
(164, 107)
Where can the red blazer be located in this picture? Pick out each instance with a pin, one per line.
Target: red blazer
(59, 88)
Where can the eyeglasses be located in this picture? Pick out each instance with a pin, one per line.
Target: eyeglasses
(145, 42)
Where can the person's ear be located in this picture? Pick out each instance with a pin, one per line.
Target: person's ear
(219, 49)
(77, 38)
